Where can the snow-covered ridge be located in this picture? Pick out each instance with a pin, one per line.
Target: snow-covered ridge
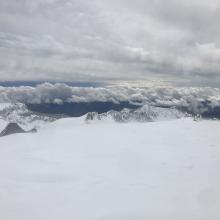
(19, 113)
(145, 113)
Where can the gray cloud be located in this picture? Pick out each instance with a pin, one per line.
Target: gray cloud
(103, 39)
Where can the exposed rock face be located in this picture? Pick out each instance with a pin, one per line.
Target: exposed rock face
(92, 116)
(14, 128)
(145, 113)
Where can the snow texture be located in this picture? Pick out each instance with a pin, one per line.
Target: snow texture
(166, 170)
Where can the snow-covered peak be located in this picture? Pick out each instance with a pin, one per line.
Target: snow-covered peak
(19, 113)
(145, 113)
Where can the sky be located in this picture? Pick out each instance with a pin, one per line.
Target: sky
(173, 41)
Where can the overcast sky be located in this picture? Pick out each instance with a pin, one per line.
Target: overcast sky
(173, 41)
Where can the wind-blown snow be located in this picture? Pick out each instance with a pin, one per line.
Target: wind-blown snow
(109, 171)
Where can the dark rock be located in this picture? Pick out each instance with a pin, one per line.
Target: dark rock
(14, 128)
(33, 130)
(92, 116)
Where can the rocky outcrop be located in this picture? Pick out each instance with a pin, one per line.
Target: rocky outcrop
(145, 113)
(14, 128)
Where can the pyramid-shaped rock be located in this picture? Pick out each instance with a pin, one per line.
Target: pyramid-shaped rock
(13, 128)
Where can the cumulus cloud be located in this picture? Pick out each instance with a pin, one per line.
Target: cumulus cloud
(193, 99)
(103, 39)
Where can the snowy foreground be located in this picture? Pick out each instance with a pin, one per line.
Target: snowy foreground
(72, 170)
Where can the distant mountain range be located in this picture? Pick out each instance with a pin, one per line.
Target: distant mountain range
(21, 114)
(145, 113)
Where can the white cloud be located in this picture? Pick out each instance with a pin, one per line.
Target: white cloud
(193, 99)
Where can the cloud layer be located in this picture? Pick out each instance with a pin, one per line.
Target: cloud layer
(103, 39)
(196, 100)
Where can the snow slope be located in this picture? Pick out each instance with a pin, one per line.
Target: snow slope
(73, 170)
